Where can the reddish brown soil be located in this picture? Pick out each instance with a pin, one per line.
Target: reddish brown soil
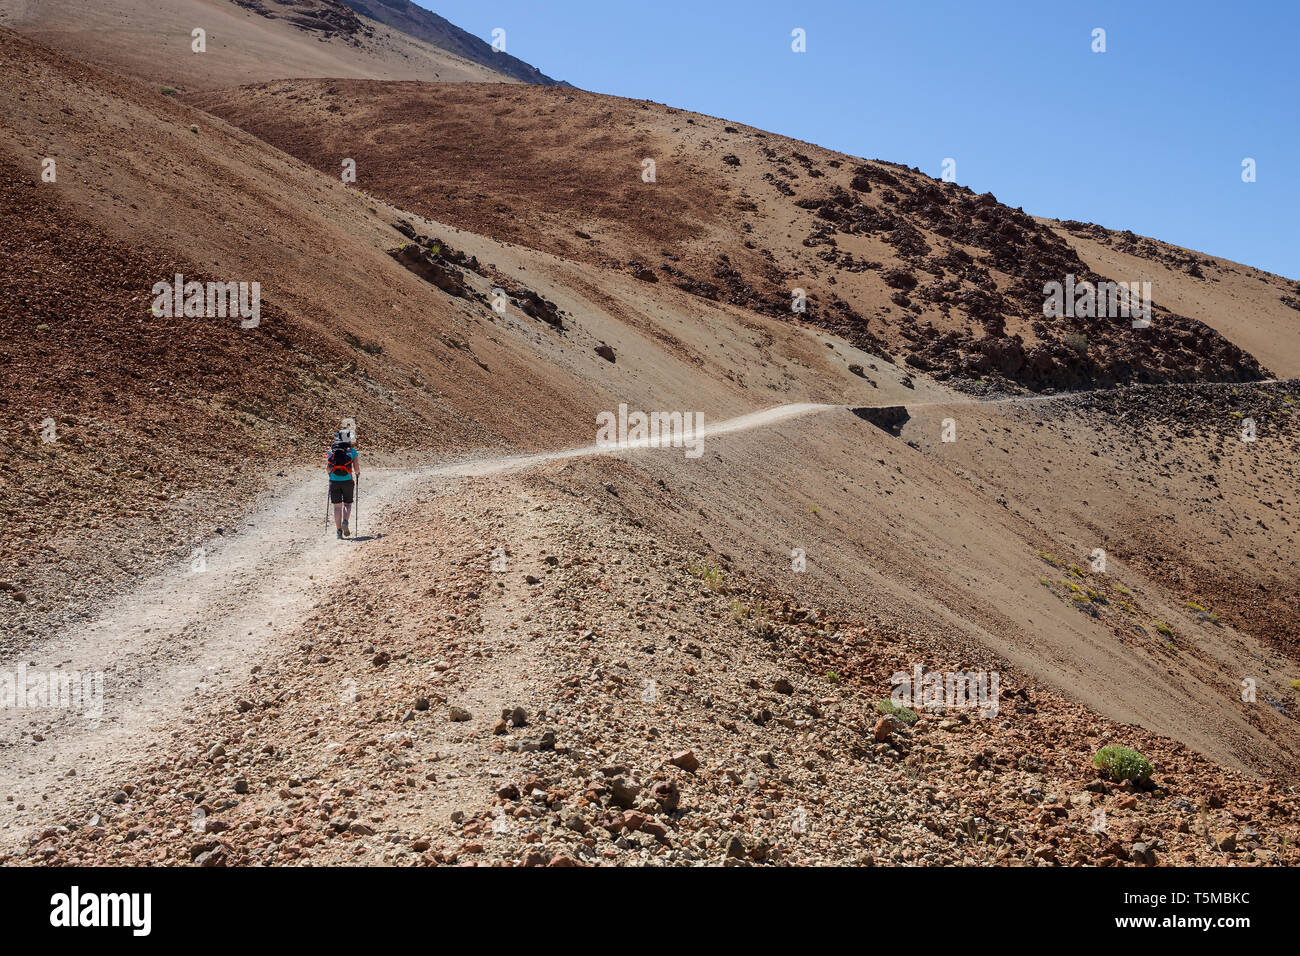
(889, 258)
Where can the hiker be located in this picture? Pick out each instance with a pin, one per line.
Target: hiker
(341, 460)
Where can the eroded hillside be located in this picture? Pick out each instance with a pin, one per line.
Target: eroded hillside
(424, 24)
(888, 258)
(241, 40)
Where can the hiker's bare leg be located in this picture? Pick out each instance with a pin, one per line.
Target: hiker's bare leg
(347, 511)
(338, 516)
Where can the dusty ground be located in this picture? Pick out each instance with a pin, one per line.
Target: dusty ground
(519, 671)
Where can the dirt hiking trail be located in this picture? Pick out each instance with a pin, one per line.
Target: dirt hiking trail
(191, 627)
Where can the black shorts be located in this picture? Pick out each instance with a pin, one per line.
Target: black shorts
(341, 491)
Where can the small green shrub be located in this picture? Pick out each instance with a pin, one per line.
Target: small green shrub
(1123, 763)
(710, 574)
(1164, 629)
(758, 616)
(905, 714)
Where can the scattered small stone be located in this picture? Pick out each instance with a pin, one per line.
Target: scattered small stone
(686, 761)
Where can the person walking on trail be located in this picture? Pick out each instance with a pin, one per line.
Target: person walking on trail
(341, 460)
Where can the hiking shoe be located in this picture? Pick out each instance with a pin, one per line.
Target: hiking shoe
(339, 532)
(347, 533)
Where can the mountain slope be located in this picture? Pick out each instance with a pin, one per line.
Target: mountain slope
(246, 40)
(950, 282)
(1255, 310)
(428, 26)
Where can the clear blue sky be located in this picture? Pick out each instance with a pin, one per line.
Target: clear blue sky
(1148, 136)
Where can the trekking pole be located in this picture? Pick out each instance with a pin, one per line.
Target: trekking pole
(356, 502)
